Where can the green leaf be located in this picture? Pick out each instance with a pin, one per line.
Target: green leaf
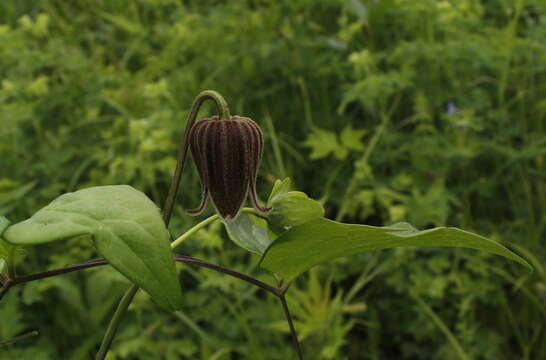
(313, 243)
(246, 232)
(6, 249)
(126, 228)
(351, 138)
(4, 223)
(291, 208)
(280, 188)
(322, 143)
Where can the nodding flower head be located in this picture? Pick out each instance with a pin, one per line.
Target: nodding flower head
(227, 154)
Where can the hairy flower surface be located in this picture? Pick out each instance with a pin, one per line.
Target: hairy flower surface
(227, 154)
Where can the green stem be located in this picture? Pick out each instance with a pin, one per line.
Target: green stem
(114, 323)
(193, 230)
(202, 224)
(19, 338)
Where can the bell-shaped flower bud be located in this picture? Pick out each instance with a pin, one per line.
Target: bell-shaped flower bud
(227, 154)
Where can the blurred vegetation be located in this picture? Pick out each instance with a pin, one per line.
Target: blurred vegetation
(432, 112)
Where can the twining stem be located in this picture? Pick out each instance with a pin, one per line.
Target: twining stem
(128, 296)
(42, 275)
(98, 262)
(292, 328)
(64, 270)
(249, 279)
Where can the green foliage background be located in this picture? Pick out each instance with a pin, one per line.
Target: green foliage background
(432, 112)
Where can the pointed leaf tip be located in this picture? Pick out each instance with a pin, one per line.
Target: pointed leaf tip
(304, 246)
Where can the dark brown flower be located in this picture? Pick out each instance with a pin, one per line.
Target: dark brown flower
(227, 154)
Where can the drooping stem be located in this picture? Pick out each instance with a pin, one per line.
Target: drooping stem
(223, 112)
(295, 341)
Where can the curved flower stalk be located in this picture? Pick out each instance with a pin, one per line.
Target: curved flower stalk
(227, 171)
(227, 155)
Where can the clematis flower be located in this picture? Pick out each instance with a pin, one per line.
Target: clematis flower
(227, 155)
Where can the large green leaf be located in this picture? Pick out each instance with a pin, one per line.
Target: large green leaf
(291, 208)
(126, 228)
(318, 241)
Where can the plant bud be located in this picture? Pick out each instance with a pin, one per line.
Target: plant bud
(227, 154)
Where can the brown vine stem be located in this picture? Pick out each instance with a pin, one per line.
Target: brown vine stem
(233, 273)
(279, 292)
(295, 341)
(42, 275)
(98, 262)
